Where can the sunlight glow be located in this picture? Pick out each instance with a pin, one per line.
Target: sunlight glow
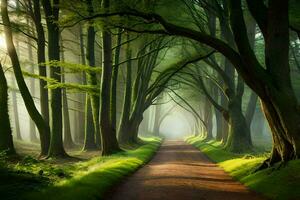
(2, 41)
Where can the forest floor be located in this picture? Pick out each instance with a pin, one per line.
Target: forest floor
(85, 175)
(180, 171)
(280, 182)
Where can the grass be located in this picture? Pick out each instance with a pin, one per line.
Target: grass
(280, 183)
(80, 180)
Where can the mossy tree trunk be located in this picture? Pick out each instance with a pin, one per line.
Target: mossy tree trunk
(6, 139)
(89, 132)
(115, 81)
(274, 86)
(124, 122)
(239, 136)
(91, 76)
(67, 136)
(41, 58)
(51, 9)
(109, 141)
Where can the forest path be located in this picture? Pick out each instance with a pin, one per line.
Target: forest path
(180, 172)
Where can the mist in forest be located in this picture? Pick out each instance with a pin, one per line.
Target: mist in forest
(91, 91)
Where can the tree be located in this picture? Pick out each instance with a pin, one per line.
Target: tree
(29, 103)
(108, 132)
(68, 141)
(6, 140)
(91, 76)
(51, 10)
(279, 101)
(41, 58)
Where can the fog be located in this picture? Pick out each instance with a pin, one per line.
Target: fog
(176, 126)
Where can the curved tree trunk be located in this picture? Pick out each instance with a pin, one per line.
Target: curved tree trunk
(6, 140)
(29, 103)
(32, 129)
(41, 58)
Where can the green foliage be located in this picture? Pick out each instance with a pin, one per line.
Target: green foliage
(73, 67)
(91, 179)
(242, 168)
(294, 13)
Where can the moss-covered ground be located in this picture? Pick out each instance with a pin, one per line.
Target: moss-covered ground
(29, 178)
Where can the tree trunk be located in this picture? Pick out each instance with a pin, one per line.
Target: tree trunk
(52, 14)
(115, 81)
(156, 118)
(68, 141)
(89, 136)
(32, 129)
(91, 76)
(6, 140)
(239, 137)
(251, 107)
(29, 103)
(41, 57)
(15, 111)
(82, 116)
(207, 135)
(124, 123)
(109, 141)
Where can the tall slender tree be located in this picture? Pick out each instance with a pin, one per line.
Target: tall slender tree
(28, 100)
(6, 140)
(51, 9)
(108, 133)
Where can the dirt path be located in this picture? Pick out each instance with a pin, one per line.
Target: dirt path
(180, 172)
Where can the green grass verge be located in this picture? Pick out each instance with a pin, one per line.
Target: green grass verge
(80, 180)
(280, 183)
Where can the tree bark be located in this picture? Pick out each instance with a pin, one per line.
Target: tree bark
(51, 10)
(15, 111)
(124, 123)
(41, 58)
(91, 76)
(6, 139)
(115, 81)
(89, 136)
(108, 133)
(68, 141)
(275, 89)
(32, 129)
(29, 103)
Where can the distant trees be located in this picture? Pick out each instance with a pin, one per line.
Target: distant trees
(281, 113)
(127, 46)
